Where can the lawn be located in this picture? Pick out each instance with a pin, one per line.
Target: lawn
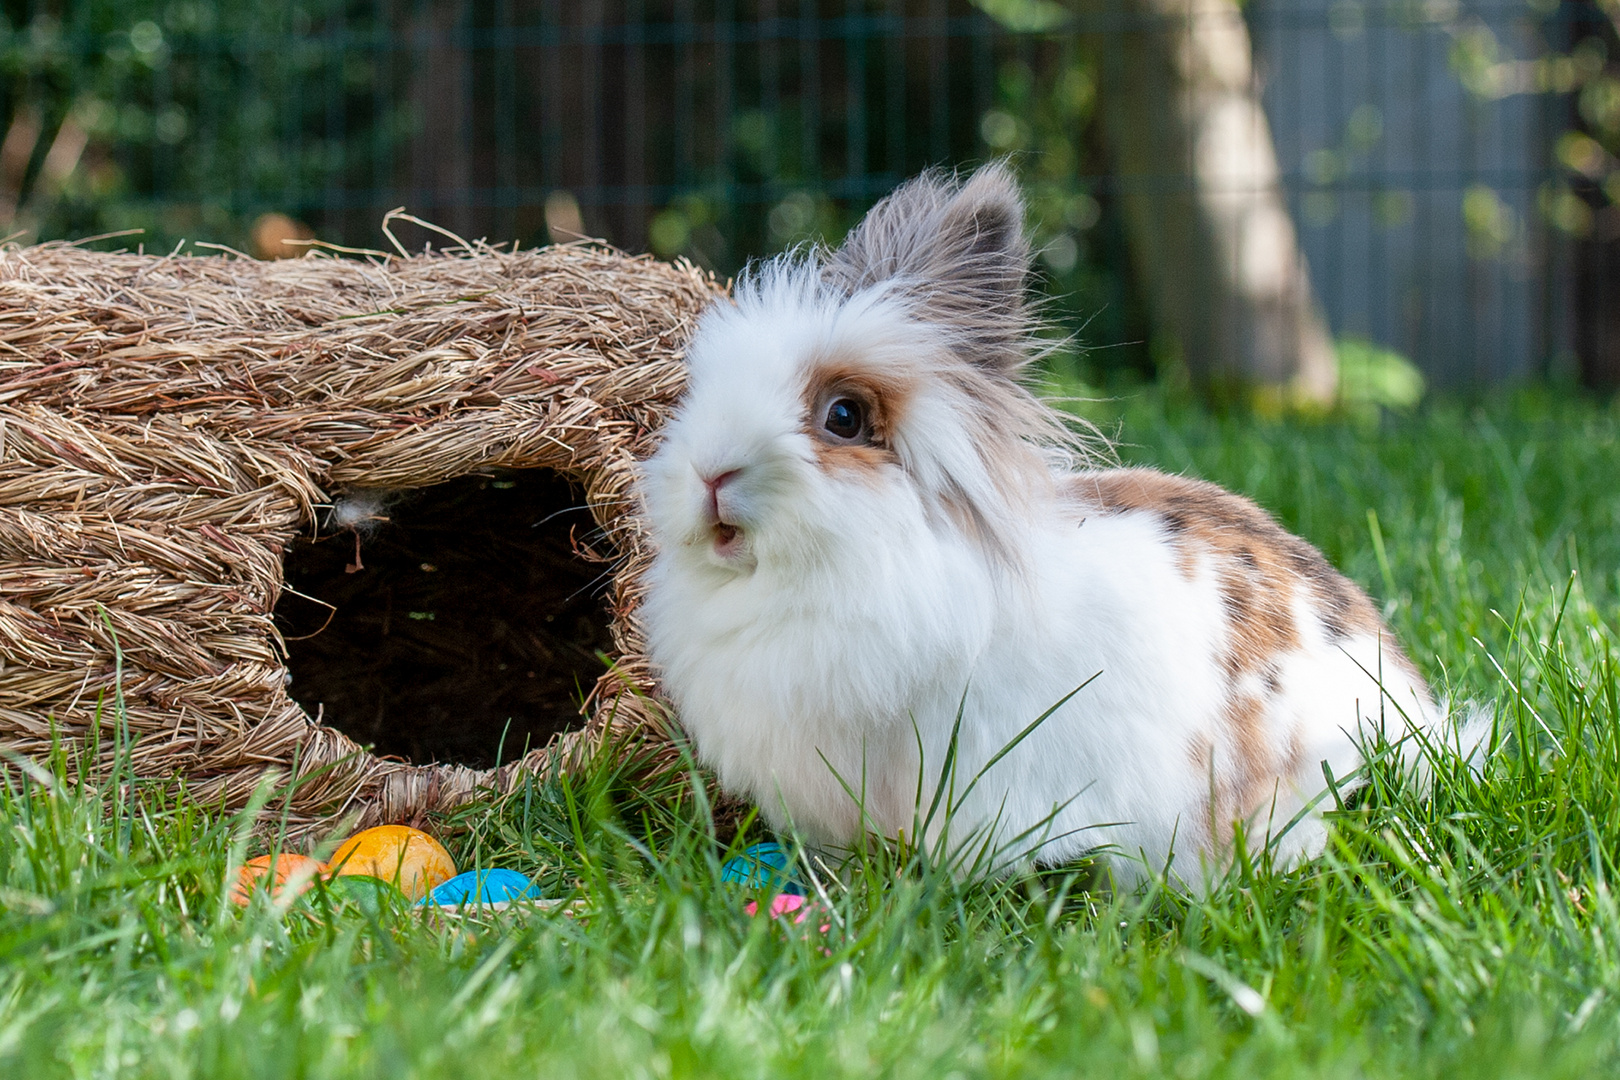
(1465, 928)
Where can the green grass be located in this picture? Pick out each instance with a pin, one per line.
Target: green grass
(1464, 930)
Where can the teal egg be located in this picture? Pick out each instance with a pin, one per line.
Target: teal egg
(483, 887)
(761, 866)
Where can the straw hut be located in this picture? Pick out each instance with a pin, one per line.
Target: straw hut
(290, 509)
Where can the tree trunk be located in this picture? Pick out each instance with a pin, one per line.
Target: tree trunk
(1199, 188)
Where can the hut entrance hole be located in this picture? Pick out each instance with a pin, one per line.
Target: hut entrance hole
(470, 616)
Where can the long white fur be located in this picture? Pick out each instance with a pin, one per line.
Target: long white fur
(860, 613)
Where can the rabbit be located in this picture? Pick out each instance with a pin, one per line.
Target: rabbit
(875, 547)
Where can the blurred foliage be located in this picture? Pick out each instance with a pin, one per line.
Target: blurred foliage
(1588, 185)
(189, 119)
(1372, 378)
(1039, 116)
(1579, 62)
(184, 119)
(1042, 117)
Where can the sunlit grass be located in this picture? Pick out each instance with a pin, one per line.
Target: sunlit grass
(1465, 929)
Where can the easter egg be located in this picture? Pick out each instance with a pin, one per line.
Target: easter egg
(761, 866)
(370, 895)
(483, 887)
(398, 854)
(798, 916)
(291, 871)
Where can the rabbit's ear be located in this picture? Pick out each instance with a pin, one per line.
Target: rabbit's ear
(958, 251)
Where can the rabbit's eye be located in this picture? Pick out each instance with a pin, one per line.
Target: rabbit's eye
(846, 418)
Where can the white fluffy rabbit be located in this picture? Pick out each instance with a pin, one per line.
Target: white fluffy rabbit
(865, 523)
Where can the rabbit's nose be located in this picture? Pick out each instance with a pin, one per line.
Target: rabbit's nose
(713, 484)
(719, 480)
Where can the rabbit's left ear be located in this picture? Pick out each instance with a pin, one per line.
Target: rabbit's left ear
(958, 251)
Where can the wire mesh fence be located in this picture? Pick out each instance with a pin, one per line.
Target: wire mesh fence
(1415, 167)
(1419, 140)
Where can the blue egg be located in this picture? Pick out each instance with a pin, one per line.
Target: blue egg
(483, 887)
(760, 866)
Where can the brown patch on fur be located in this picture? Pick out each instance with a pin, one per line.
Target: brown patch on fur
(883, 396)
(1237, 787)
(1257, 759)
(1295, 760)
(883, 393)
(1260, 568)
(1202, 829)
(972, 524)
(1253, 554)
(856, 458)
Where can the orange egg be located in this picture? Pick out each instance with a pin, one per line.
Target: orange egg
(299, 870)
(398, 854)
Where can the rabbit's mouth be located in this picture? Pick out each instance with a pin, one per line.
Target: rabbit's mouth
(727, 539)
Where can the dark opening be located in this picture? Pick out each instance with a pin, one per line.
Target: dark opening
(472, 615)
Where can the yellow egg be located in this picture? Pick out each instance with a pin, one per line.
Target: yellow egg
(398, 854)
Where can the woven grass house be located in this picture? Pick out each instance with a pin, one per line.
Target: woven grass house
(325, 502)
